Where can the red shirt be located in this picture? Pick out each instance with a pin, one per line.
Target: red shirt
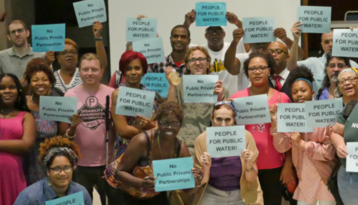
(269, 157)
(178, 64)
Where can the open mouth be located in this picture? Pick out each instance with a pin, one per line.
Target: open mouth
(7, 97)
(348, 89)
(301, 100)
(257, 78)
(40, 90)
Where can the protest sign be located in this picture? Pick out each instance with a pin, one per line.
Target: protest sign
(173, 174)
(50, 37)
(315, 19)
(73, 199)
(59, 109)
(151, 48)
(322, 113)
(89, 11)
(141, 29)
(252, 110)
(291, 117)
(199, 88)
(210, 14)
(156, 82)
(225, 141)
(345, 43)
(132, 102)
(258, 29)
(352, 157)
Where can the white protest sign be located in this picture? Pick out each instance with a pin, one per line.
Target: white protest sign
(352, 157)
(132, 102)
(345, 43)
(59, 109)
(322, 113)
(252, 110)
(291, 118)
(225, 141)
(89, 11)
(199, 88)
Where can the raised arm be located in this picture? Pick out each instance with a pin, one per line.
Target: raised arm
(281, 142)
(171, 96)
(231, 63)
(292, 61)
(101, 51)
(24, 144)
(249, 157)
(189, 18)
(281, 34)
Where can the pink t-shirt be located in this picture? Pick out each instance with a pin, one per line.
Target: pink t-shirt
(91, 133)
(269, 157)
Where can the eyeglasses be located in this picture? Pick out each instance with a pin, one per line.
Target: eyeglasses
(58, 170)
(171, 124)
(350, 80)
(339, 65)
(260, 69)
(193, 60)
(277, 51)
(65, 53)
(218, 31)
(20, 30)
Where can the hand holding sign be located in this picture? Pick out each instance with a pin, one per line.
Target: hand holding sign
(247, 155)
(273, 112)
(238, 34)
(49, 57)
(218, 88)
(143, 123)
(296, 30)
(75, 120)
(205, 160)
(190, 18)
(296, 138)
(97, 29)
(232, 18)
(280, 33)
(198, 176)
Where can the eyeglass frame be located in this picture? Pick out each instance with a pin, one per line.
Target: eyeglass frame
(350, 80)
(167, 124)
(251, 70)
(336, 65)
(20, 30)
(275, 51)
(62, 169)
(65, 53)
(193, 60)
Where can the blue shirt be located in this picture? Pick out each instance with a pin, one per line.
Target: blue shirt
(41, 191)
(324, 95)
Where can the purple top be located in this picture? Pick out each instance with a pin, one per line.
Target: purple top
(225, 173)
(324, 95)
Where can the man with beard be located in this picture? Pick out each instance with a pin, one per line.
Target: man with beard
(334, 66)
(179, 40)
(14, 60)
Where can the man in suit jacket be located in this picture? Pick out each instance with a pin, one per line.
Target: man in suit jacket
(279, 52)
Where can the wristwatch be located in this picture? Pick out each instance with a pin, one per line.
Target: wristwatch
(98, 39)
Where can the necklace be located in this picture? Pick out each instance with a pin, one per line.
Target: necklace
(160, 149)
(4, 113)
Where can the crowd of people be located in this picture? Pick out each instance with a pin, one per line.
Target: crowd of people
(42, 160)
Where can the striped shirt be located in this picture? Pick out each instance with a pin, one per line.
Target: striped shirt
(60, 84)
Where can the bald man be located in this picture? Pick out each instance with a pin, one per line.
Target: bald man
(279, 52)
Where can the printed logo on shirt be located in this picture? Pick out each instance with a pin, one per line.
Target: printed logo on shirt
(259, 128)
(218, 65)
(92, 113)
(354, 125)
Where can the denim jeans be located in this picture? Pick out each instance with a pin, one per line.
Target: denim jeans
(348, 186)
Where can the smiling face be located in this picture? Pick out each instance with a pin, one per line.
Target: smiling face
(302, 92)
(134, 72)
(91, 72)
(8, 91)
(198, 63)
(18, 34)
(347, 88)
(335, 66)
(169, 125)
(61, 179)
(68, 58)
(223, 117)
(258, 72)
(179, 39)
(40, 84)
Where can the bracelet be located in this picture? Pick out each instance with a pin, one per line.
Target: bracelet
(250, 170)
(70, 137)
(98, 39)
